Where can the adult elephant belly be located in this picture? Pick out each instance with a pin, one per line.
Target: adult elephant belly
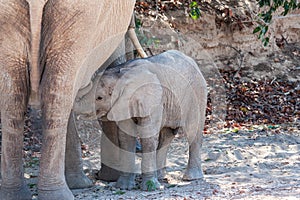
(78, 36)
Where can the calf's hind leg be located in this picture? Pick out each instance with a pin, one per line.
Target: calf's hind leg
(165, 138)
(194, 170)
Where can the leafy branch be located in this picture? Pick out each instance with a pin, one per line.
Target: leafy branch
(194, 10)
(265, 17)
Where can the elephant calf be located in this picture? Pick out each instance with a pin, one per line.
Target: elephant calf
(154, 99)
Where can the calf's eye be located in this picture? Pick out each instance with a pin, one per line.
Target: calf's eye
(99, 98)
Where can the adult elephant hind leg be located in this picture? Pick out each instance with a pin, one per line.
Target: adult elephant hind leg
(75, 177)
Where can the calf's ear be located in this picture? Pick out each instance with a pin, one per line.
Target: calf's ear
(137, 94)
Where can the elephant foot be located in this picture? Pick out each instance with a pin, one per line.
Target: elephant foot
(126, 182)
(150, 184)
(63, 193)
(161, 174)
(15, 194)
(108, 174)
(193, 174)
(78, 181)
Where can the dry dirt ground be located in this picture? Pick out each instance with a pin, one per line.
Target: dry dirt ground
(258, 163)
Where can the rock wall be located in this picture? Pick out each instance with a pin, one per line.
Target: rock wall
(217, 36)
(230, 26)
(228, 40)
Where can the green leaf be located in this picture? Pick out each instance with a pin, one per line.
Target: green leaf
(266, 41)
(235, 130)
(263, 3)
(195, 12)
(171, 186)
(193, 4)
(138, 23)
(286, 7)
(150, 185)
(293, 4)
(273, 126)
(264, 30)
(267, 17)
(257, 29)
(31, 185)
(119, 192)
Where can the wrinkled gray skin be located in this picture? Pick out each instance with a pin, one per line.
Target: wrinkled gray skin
(85, 106)
(154, 98)
(49, 50)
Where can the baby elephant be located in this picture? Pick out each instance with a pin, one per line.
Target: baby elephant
(154, 99)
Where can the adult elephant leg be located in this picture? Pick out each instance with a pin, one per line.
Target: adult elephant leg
(12, 119)
(166, 136)
(14, 86)
(77, 37)
(56, 110)
(110, 159)
(75, 177)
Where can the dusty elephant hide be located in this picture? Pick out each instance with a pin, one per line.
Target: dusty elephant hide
(154, 99)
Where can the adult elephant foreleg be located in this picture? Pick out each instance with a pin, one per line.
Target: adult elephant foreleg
(14, 103)
(14, 87)
(75, 176)
(56, 110)
(77, 37)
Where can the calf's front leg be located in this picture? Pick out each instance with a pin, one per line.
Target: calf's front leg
(149, 169)
(148, 131)
(127, 155)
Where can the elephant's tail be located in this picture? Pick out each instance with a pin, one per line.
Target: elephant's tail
(36, 13)
(134, 39)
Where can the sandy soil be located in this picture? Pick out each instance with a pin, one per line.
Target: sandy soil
(262, 163)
